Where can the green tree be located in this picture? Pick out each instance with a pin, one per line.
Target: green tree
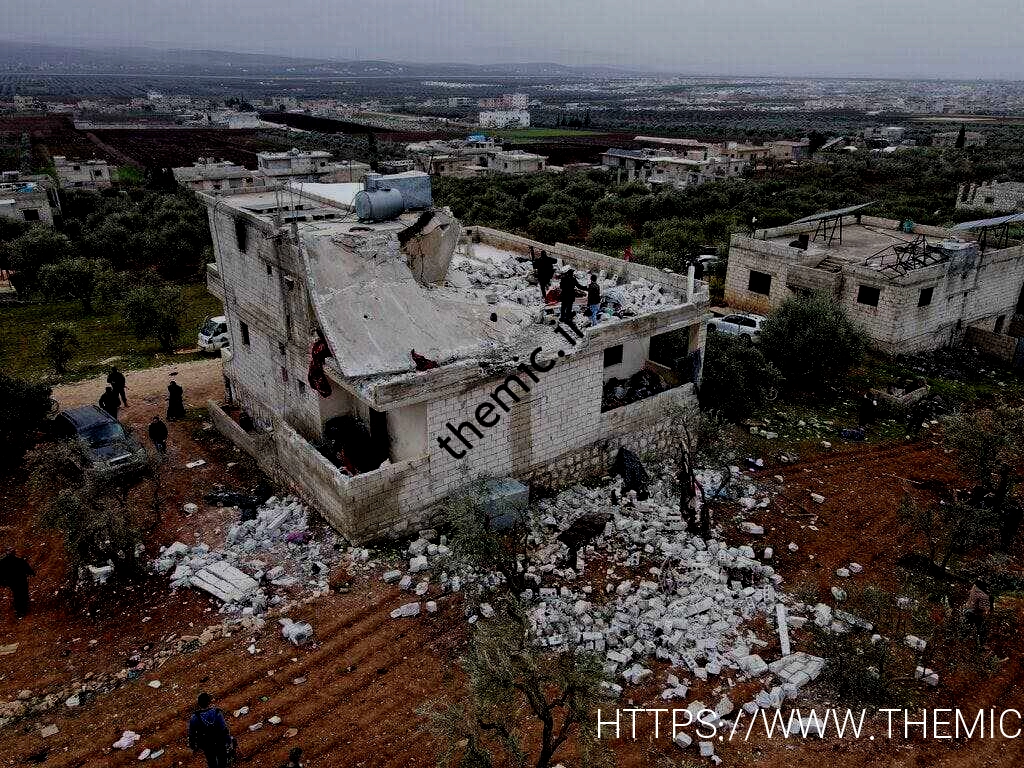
(737, 379)
(154, 312)
(60, 342)
(77, 278)
(23, 410)
(609, 239)
(812, 342)
(512, 686)
(39, 246)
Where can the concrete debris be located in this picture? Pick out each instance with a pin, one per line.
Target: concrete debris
(100, 573)
(855, 568)
(296, 632)
(843, 573)
(928, 676)
(274, 720)
(49, 730)
(797, 669)
(817, 498)
(127, 740)
(915, 643)
(406, 611)
(196, 463)
(154, 683)
(262, 562)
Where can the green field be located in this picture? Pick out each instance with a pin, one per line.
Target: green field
(101, 336)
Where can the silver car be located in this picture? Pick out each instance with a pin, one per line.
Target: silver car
(738, 325)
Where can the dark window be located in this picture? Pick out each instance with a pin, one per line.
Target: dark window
(989, 200)
(284, 374)
(1000, 322)
(868, 295)
(270, 269)
(245, 333)
(613, 356)
(280, 347)
(1020, 302)
(302, 387)
(241, 234)
(926, 297)
(30, 214)
(760, 282)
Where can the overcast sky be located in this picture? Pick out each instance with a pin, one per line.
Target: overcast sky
(891, 38)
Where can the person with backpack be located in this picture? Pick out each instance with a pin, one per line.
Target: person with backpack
(208, 733)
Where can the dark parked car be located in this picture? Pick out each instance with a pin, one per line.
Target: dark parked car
(104, 445)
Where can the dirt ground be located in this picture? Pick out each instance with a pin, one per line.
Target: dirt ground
(350, 698)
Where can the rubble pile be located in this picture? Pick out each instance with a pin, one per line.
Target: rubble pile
(261, 560)
(666, 594)
(501, 276)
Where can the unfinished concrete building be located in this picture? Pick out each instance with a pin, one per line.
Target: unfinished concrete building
(309, 165)
(30, 198)
(994, 196)
(383, 358)
(82, 174)
(210, 175)
(911, 287)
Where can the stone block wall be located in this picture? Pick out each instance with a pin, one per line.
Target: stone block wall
(995, 197)
(997, 346)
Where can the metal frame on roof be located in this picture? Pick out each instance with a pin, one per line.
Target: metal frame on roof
(999, 223)
(835, 218)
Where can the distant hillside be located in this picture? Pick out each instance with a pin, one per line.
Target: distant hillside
(52, 59)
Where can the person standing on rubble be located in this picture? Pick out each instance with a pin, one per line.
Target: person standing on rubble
(593, 299)
(544, 267)
(208, 733)
(175, 403)
(14, 573)
(568, 285)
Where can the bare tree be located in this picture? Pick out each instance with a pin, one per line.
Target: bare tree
(702, 441)
(520, 704)
(478, 542)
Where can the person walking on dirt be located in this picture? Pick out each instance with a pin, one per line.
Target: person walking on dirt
(158, 434)
(109, 402)
(208, 733)
(978, 608)
(117, 382)
(14, 573)
(175, 404)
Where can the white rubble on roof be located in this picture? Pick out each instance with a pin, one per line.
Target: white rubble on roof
(342, 193)
(478, 304)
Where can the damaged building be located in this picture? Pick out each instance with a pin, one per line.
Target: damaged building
(383, 357)
(911, 287)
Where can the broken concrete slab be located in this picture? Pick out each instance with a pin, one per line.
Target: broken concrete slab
(225, 582)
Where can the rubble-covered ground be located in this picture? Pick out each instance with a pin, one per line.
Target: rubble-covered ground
(349, 695)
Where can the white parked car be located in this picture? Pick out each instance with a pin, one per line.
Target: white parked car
(738, 325)
(214, 334)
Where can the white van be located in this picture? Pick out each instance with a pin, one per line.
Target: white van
(214, 334)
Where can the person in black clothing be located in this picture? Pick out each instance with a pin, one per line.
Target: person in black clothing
(294, 758)
(175, 405)
(208, 733)
(593, 299)
(116, 381)
(158, 434)
(544, 266)
(568, 285)
(109, 402)
(14, 573)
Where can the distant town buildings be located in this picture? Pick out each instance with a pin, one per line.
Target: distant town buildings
(473, 156)
(210, 175)
(508, 101)
(504, 118)
(82, 174)
(950, 138)
(273, 168)
(994, 196)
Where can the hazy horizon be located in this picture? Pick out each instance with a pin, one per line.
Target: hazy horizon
(787, 38)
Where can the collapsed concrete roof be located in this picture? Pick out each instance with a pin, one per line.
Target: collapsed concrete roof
(366, 290)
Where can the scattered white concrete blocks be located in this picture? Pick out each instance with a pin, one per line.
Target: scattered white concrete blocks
(843, 573)
(817, 498)
(798, 669)
(915, 643)
(296, 632)
(225, 582)
(418, 563)
(855, 568)
(406, 611)
(392, 577)
(928, 676)
(752, 528)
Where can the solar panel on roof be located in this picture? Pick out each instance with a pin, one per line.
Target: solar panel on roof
(838, 213)
(968, 226)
